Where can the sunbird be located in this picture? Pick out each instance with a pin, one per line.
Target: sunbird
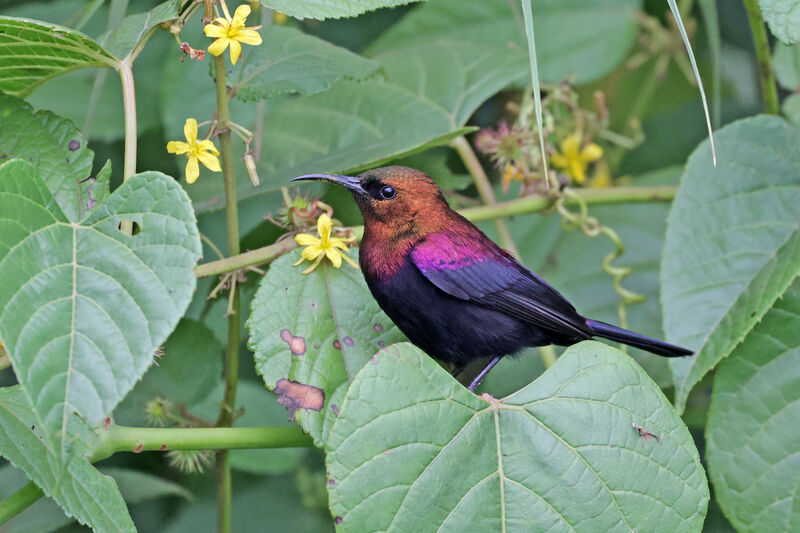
(449, 288)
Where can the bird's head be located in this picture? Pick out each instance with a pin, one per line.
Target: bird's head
(396, 198)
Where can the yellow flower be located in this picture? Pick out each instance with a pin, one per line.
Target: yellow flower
(231, 31)
(324, 246)
(203, 151)
(573, 159)
(510, 173)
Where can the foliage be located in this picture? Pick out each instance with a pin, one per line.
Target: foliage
(107, 319)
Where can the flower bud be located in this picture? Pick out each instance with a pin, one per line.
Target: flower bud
(250, 164)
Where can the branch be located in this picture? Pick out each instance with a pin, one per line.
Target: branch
(519, 206)
(766, 74)
(19, 501)
(136, 440)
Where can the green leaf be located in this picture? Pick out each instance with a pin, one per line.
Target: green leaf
(733, 243)
(311, 333)
(545, 459)
(259, 408)
(783, 17)
(124, 38)
(582, 38)
(81, 322)
(56, 148)
(32, 52)
(83, 492)
(753, 435)
(787, 65)
(329, 9)
(190, 367)
(290, 61)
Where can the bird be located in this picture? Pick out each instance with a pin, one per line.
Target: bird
(449, 288)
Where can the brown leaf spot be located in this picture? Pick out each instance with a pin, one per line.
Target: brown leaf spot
(349, 341)
(297, 345)
(381, 343)
(163, 448)
(337, 344)
(331, 482)
(335, 409)
(294, 396)
(338, 520)
(139, 449)
(378, 328)
(73, 145)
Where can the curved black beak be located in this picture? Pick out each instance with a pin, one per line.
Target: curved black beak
(350, 183)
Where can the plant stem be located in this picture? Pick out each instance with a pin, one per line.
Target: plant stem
(19, 501)
(232, 352)
(766, 73)
(518, 206)
(484, 189)
(128, 439)
(125, 69)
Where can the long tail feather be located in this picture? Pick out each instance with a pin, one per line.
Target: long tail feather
(613, 333)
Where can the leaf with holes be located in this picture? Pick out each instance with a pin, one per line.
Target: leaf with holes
(311, 333)
(32, 52)
(83, 492)
(57, 150)
(84, 306)
(290, 61)
(592, 445)
(329, 9)
(753, 435)
(733, 243)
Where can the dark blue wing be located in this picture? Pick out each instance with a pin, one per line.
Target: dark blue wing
(493, 279)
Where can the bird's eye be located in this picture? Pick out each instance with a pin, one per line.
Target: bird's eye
(388, 192)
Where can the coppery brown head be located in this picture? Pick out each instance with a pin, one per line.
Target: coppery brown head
(395, 197)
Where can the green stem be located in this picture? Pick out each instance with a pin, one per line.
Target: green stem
(5, 362)
(125, 69)
(19, 501)
(766, 73)
(232, 352)
(128, 439)
(484, 189)
(519, 206)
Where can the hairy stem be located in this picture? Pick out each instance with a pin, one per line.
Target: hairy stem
(128, 439)
(232, 352)
(766, 73)
(484, 189)
(19, 501)
(518, 206)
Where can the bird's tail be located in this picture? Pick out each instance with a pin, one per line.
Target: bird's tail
(613, 333)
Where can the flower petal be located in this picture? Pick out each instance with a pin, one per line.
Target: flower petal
(177, 147)
(324, 226)
(192, 170)
(311, 252)
(236, 50)
(591, 152)
(217, 47)
(350, 261)
(207, 146)
(304, 239)
(240, 15)
(250, 37)
(336, 242)
(209, 160)
(570, 145)
(314, 265)
(190, 130)
(334, 256)
(559, 160)
(214, 30)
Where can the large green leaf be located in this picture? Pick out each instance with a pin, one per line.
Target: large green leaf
(787, 65)
(125, 36)
(83, 492)
(311, 333)
(733, 242)
(783, 17)
(753, 435)
(84, 305)
(58, 151)
(32, 52)
(582, 38)
(562, 454)
(329, 9)
(290, 61)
